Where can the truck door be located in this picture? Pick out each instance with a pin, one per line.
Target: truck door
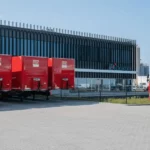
(36, 84)
(65, 83)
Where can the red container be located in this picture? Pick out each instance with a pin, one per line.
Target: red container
(5, 72)
(61, 73)
(29, 73)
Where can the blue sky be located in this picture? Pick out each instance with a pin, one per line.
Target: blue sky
(121, 18)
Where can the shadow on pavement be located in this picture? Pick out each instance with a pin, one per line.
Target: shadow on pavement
(13, 104)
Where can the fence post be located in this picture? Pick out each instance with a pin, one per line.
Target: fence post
(148, 87)
(126, 91)
(61, 94)
(78, 94)
(100, 94)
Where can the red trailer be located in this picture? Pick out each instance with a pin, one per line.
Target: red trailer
(29, 74)
(61, 73)
(5, 73)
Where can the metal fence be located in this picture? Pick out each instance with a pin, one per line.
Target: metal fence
(100, 94)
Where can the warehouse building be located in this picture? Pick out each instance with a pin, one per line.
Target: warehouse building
(98, 58)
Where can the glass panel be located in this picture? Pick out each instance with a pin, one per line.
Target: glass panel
(25, 47)
(32, 48)
(14, 46)
(67, 53)
(21, 46)
(63, 47)
(56, 52)
(119, 84)
(112, 84)
(69, 56)
(66, 50)
(3, 45)
(77, 54)
(45, 49)
(39, 47)
(7, 48)
(35, 48)
(54, 49)
(11, 46)
(29, 48)
(18, 47)
(106, 84)
(60, 50)
(49, 49)
(71, 50)
(80, 82)
(42, 54)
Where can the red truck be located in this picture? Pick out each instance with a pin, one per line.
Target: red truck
(5, 73)
(29, 74)
(61, 73)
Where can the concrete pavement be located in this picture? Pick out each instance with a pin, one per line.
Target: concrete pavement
(74, 126)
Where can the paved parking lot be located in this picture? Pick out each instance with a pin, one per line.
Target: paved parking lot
(74, 126)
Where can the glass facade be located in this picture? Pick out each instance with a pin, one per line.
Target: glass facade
(106, 84)
(89, 53)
